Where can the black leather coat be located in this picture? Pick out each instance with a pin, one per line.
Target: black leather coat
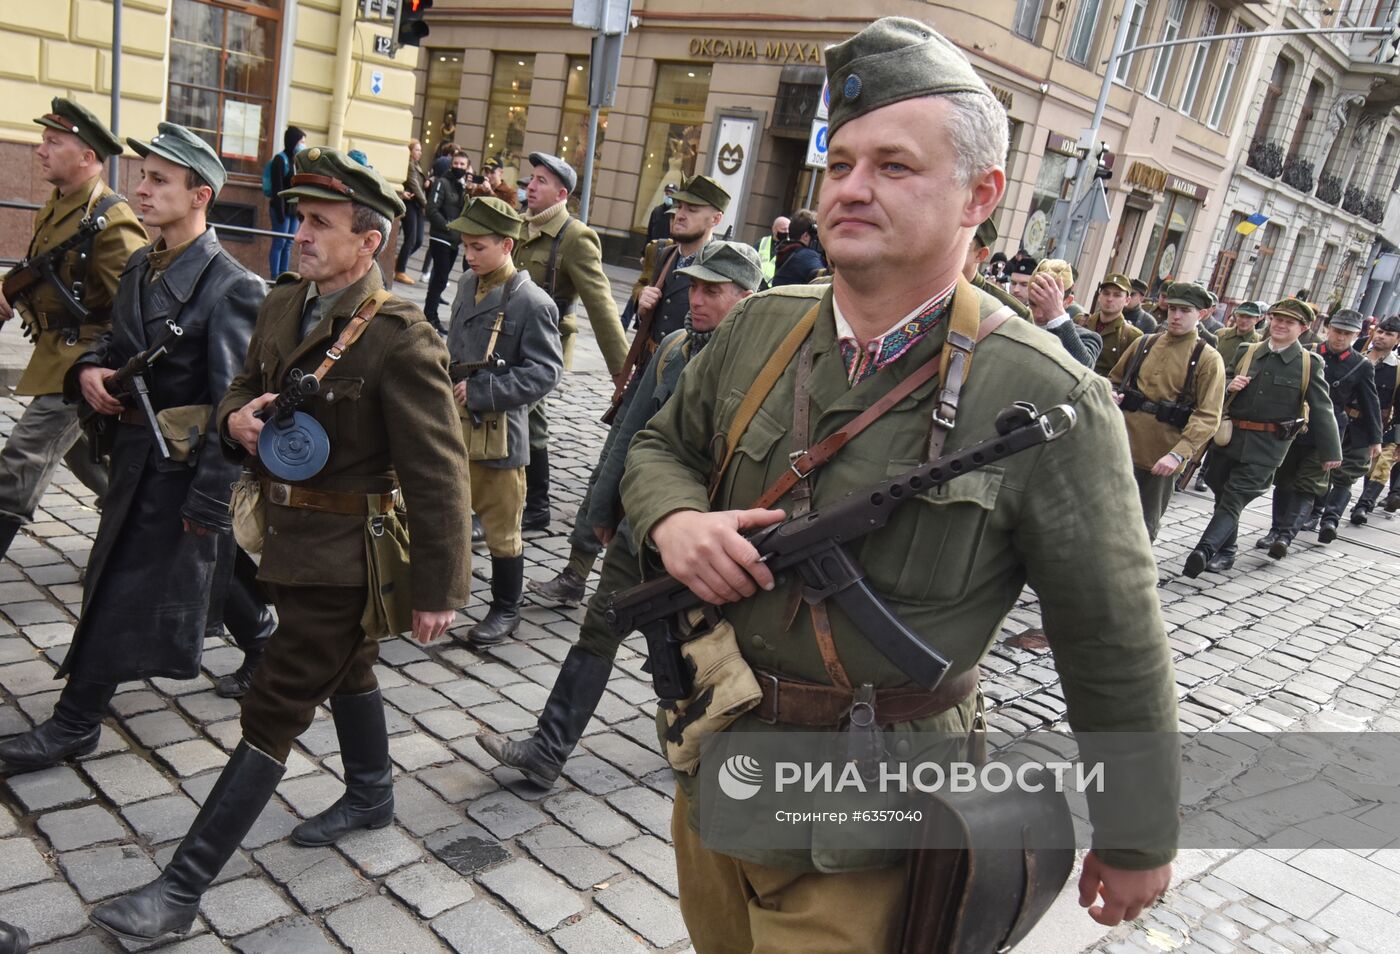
(152, 589)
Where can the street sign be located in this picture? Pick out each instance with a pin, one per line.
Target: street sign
(589, 15)
(376, 82)
(733, 156)
(824, 104)
(816, 145)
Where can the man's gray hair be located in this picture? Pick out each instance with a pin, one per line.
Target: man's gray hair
(977, 126)
(364, 219)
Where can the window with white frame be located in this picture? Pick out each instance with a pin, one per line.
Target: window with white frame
(1081, 40)
(1225, 88)
(1200, 58)
(1136, 12)
(1162, 59)
(1027, 19)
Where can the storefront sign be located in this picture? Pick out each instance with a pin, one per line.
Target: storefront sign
(733, 155)
(741, 48)
(1147, 177)
(1186, 187)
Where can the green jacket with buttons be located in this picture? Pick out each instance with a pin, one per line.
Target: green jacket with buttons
(1117, 335)
(951, 563)
(1275, 393)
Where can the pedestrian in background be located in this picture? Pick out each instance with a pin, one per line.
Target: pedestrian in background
(799, 260)
(415, 203)
(279, 256)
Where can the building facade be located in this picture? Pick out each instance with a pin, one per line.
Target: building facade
(236, 71)
(700, 87)
(1318, 157)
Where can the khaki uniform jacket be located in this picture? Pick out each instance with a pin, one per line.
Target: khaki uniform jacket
(56, 351)
(388, 409)
(578, 274)
(952, 562)
(1117, 335)
(1161, 378)
(1275, 393)
(1229, 341)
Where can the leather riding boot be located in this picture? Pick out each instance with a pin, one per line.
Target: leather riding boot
(1217, 534)
(1312, 517)
(1224, 558)
(1280, 504)
(503, 618)
(368, 801)
(1296, 511)
(536, 516)
(13, 940)
(72, 730)
(9, 526)
(170, 902)
(566, 589)
(575, 695)
(251, 624)
(1334, 502)
(1370, 493)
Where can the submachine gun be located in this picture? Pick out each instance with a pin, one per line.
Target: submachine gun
(128, 385)
(30, 272)
(292, 444)
(814, 546)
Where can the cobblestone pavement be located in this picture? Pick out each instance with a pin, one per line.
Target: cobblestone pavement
(479, 861)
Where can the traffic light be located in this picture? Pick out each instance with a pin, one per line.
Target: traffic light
(409, 28)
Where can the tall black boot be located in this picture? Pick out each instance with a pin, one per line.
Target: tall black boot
(1333, 503)
(71, 731)
(169, 903)
(250, 623)
(13, 940)
(1217, 534)
(1280, 505)
(1312, 517)
(368, 801)
(503, 618)
(1296, 511)
(536, 516)
(575, 695)
(1224, 558)
(9, 526)
(1392, 499)
(1370, 493)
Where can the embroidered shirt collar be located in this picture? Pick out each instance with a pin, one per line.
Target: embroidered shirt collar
(893, 342)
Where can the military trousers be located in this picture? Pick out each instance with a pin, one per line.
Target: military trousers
(582, 540)
(738, 907)
(1236, 483)
(619, 571)
(1382, 465)
(539, 424)
(1155, 493)
(1356, 463)
(498, 497)
(46, 433)
(317, 651)
(1301, 471)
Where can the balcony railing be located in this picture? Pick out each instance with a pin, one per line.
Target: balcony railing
(1265, 157)
(1354, 200)
(1329, 188)
(1373, 208)
(1298, 173)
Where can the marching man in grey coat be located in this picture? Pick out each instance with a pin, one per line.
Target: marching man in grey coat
(506, 355)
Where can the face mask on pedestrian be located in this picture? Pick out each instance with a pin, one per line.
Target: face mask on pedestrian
(457, 174)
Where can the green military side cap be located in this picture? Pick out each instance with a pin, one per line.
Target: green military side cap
(1117, 280)
(1294, 308)
(182, 147)
(986, 234)
(892, 60)
(1191, 294)
(487, 215)
(324, 173)
(727, 262)
(702, 190)
(1250, 309)
(1345, 319)
(70, 117)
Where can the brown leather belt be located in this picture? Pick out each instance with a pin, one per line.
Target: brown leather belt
(1354, 413)
(327, 501)
(1271, 426)
(788, 701)
(133, 417)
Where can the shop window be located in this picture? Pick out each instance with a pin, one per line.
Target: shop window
(223, 77)
(507, 112)
(1049, 188)
(439, 121)
(573, 125)
(673, 133)
(1167, 243)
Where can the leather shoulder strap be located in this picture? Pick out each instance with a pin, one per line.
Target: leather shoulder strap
(551, 268)
(1304, 410)
(367, 310)
(1143, 345)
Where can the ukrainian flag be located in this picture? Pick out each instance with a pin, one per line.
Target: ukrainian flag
(1251, 224)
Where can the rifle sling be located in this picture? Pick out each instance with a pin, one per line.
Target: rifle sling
(634, 360)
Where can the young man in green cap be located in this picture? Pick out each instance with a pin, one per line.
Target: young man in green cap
(385, 404)
(1240, 331)
(565, 258)
(902, 195)
(721, 275)
(1108, 321)
(1171, 386)
(1351, 383)
(1383, 358)
(1133, 310)
(1275, 388)
(978, 251)
(660, 308)
(65, 312)
(502, 319)
(165, 531)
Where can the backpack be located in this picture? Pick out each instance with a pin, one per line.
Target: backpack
(267, 174)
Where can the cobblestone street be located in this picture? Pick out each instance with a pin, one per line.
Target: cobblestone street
(480, 861)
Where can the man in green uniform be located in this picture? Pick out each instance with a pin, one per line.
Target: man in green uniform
(1170, 386)
(385, 402)
(66, 312)
(978, 251)
(1109, 323)
(503, 318)
(1133, 310)
(1368, 413)
(952, 565)
(1275, 387)
(722, 274)
(564, 257)
(1383, 358)
(1240, 332)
